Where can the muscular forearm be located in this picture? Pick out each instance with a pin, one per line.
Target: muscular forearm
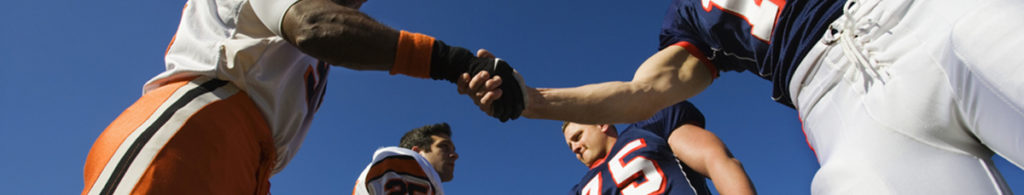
(601, 103)
(340, 35)
(666, 78)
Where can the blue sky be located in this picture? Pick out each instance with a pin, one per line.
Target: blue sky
(70, 67)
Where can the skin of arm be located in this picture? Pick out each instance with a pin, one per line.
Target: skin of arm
(705, 153)
(667, 77)
(340, 35)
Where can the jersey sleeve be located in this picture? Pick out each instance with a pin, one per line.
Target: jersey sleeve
(680, 27)
(271, 12)
(668, 119)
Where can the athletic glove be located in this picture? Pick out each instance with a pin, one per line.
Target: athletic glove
(449, 62)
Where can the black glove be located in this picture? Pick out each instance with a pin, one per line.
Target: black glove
(511, 103)
(449, 62)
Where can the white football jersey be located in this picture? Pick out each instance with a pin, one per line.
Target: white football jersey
(396, 169)
(239, 41)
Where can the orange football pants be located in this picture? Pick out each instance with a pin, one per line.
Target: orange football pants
(196, 136)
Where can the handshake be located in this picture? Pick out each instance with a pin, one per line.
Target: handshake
(511, 100)
(458, 65)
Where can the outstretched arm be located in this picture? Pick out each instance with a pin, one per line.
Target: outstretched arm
(667, 77)
(338, 33)
(702, 151)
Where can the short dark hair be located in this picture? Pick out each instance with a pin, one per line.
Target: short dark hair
(421, 136)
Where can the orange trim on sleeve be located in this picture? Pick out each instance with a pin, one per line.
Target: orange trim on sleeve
(700, 55)
(412, 55)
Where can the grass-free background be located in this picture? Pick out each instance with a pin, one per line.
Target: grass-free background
(69, 67)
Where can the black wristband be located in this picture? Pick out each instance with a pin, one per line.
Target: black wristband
(449, 62)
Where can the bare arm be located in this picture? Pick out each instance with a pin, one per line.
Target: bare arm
(667, 77)
(702, 151)
(340, 35)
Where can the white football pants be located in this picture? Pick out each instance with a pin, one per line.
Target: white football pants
(914, 97)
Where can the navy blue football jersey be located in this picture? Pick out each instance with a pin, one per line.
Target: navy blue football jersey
(766, 37)
(641, 161)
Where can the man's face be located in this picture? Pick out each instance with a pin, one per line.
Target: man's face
(588, 142)
(442, 156)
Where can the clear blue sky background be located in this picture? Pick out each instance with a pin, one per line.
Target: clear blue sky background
(70, 67)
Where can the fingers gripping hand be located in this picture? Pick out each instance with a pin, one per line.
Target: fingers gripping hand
(482, 88)
(501, 94)
(511, 102)
(483, 53)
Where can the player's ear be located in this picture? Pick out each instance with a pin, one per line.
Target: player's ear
(608, 129)
(415, 148)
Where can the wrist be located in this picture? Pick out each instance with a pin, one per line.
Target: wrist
(413, 55)
(448, 62)
(534, 103)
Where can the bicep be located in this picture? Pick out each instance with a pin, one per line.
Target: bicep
(674, 74)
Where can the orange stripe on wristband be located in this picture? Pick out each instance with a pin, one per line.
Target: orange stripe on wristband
(412, 55)
(700, 55)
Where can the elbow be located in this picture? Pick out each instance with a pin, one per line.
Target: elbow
(735, 162)
(344, 37)
(312, 33)
(654, 97)
(323, 33)
(638, 101)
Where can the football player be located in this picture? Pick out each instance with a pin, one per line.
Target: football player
(670, 153)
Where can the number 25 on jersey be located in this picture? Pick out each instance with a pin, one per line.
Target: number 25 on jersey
(626, 174)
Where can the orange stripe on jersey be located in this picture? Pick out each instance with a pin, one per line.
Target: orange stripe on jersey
(115, 134)
(401, 164)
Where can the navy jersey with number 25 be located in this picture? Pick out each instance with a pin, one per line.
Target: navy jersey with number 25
(641, 161)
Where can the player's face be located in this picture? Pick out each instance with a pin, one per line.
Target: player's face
(442, 156)
(586, 141)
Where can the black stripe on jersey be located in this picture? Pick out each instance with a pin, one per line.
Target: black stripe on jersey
(133, 151)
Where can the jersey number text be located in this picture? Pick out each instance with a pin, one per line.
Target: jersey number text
(626, 174)
(761, 17)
